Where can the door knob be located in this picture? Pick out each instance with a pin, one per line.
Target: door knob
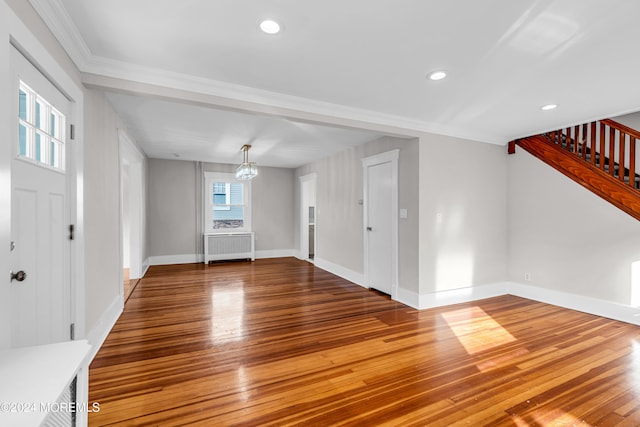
(369, 228)
(19, 276)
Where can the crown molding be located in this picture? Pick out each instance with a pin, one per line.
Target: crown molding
(56, 17)
(61, 25)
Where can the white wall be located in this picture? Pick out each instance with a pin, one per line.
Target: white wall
(463, 214)
(102, 208)
(339, 215)
(273, 210)
(174, 215)
(568, 239)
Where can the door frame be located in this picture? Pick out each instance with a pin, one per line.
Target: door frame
(131, 156)
(18, 35)
(306, 181)
(377, 159)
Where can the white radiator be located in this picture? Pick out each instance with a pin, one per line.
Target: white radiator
(225, 246)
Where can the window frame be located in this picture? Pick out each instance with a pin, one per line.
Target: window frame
(208, 205)
(44, 130)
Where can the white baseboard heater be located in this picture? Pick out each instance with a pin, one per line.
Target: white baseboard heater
(227, 246)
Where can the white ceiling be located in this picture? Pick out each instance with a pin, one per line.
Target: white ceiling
(361, 61)
(170, 130)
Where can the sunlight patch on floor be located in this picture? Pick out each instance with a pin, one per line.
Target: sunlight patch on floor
(559, 418)
(476, 330)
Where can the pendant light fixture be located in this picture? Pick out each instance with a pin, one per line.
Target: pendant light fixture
(246, 170)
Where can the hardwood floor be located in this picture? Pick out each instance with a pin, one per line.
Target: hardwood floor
(280, 342)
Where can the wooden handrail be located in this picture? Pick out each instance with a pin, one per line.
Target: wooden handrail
(600, 155)
(619, 126)
(589, 144)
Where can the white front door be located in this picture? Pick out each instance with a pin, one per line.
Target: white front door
(40, 259)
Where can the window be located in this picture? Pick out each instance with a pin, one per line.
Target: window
(40, 129)
(222, 196)
(227, 206)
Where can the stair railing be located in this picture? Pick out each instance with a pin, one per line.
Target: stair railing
(605, 144)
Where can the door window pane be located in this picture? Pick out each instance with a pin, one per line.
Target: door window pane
(22, 105)
(22, 145)
(39, 113)
(39, 142)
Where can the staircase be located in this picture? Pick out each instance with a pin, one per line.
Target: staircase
(600, 156)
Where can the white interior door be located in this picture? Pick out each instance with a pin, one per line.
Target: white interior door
(41, 296)
(379, 226)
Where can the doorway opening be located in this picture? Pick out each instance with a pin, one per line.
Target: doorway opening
(131, 213)
(308, 217)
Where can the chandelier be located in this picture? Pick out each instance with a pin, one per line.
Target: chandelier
(246, 170)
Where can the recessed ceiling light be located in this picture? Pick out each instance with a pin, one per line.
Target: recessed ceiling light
(437, 75)
(548, 107)
(269, 26)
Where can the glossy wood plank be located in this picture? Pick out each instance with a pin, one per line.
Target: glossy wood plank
(280, 342)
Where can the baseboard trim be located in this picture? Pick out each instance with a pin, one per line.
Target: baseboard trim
(457, 296)
(338, 270)
(276, 253)
(99, 333)
(598, 307)
(175, 259)
(145, 267)
(408, 297)
(195, 258)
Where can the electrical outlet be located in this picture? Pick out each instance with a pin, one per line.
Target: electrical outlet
(527, 276)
